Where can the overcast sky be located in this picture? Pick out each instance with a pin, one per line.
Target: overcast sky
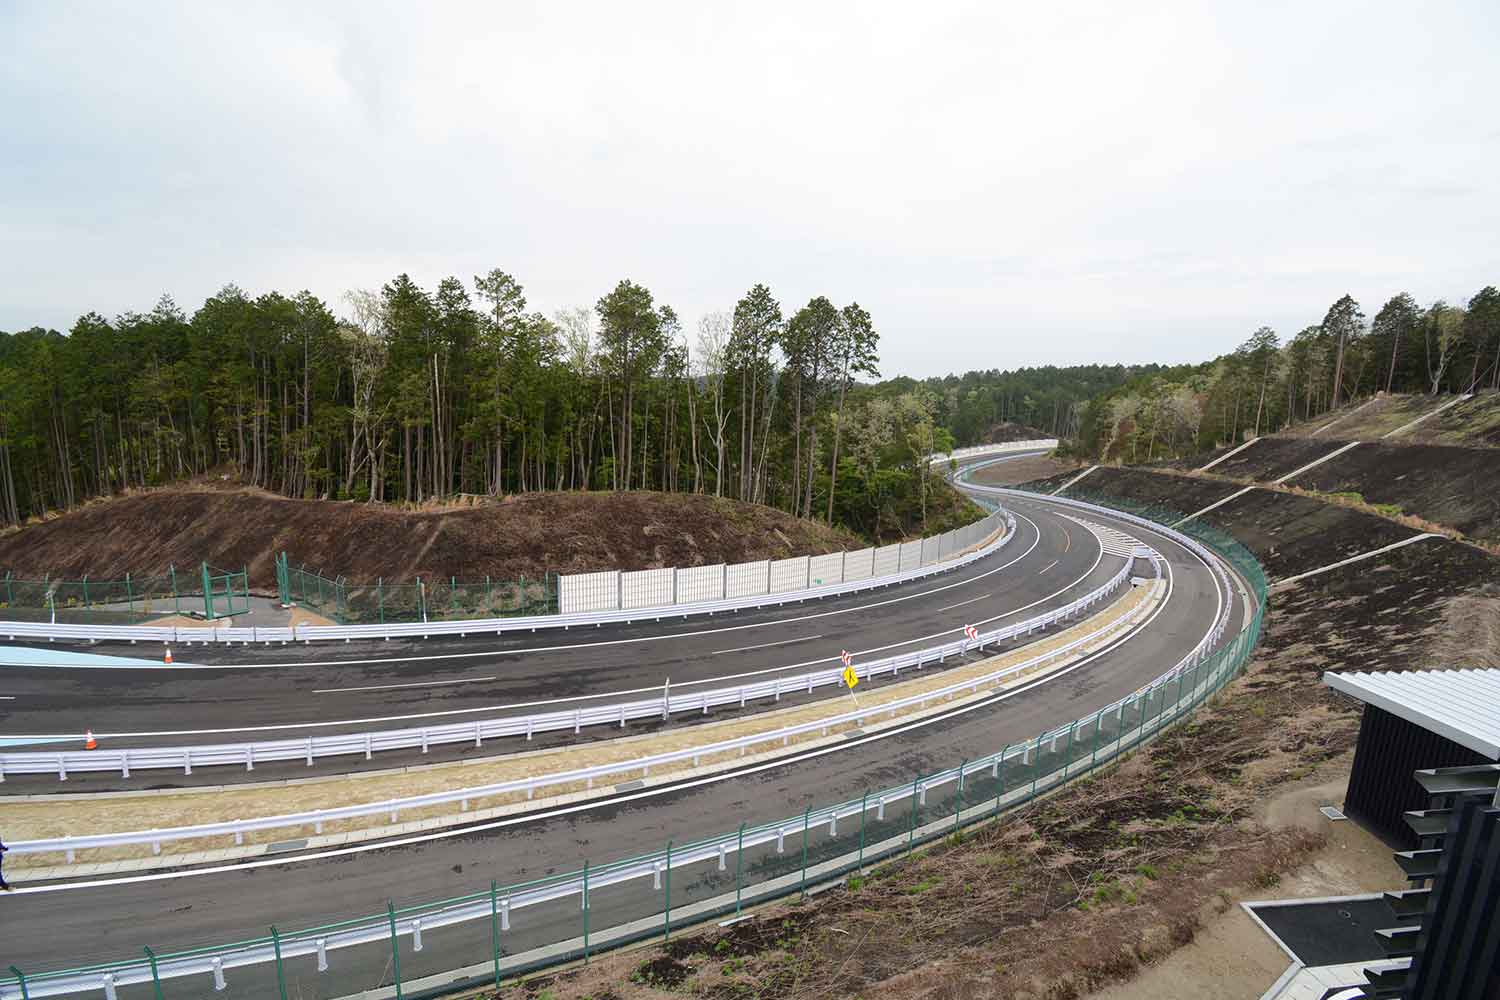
(999, 184)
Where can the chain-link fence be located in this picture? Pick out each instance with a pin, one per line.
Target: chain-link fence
(498, 931)
(423, 599)
(199, 591)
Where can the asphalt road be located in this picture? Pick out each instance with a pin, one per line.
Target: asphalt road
(291, 691)
(46, 927)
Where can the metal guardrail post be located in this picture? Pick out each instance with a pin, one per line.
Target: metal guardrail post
(1000, 776)
(806, 819)
(155, 973)
(280, 971)
(390, 912)
(495, 931)
(666, 934)
(864, 807)
(959, 808)
(208, 592)
(739, 868)
(911, 826)
(585, 905)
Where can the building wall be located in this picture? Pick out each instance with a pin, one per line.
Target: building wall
(1381, 786)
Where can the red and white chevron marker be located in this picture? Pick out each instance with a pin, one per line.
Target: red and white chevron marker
(971, 632)
(846, 656)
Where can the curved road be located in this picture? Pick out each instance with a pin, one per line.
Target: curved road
(52, 926)
(296, 690)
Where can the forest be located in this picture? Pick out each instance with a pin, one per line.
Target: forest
(410, 395)
(1267, 382)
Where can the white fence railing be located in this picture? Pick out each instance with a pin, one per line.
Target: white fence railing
(309, 749)
(977, 450)
(970, 544)
(392, 808)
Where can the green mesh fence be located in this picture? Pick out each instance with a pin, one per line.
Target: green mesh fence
(424, 599)
(508, 929)
(129, 601)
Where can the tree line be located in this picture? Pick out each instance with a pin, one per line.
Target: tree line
(407, 394)
(1267, 383)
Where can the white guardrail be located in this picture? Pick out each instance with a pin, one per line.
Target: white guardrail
(308, 749)
(210, 962)
(659, 708)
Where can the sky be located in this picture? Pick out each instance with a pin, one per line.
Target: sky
(999, 184)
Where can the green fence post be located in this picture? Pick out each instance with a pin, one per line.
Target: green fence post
(488, 601)
(1036, 766)
(864, 806)
(390, 911)
(1000, 774)
(155, 977)
(959, 808)
(1068, 754)
(25, 993)
(130, 598)
(208, 592)
(495, 932)
(806, 818)
(176, 598)
(280, 972)
(667, 930)
(322, 608)
(911, 825)
(380, 596)
(85, 590)
(585, 910)
(739, 868)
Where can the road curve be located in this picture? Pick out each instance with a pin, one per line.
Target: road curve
(48, 927)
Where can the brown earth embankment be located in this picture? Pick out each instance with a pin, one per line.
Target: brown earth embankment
(525, 535)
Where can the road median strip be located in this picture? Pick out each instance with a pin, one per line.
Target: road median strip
(49, 817)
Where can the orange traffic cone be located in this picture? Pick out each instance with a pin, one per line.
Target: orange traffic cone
(89, 743)
(168, 658)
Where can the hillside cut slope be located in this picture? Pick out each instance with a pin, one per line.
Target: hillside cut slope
(525, 535)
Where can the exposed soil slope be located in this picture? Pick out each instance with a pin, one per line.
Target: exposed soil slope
(1004, 433)
(1474, 422)
(522, 535)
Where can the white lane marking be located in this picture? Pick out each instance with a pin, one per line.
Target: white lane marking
(619, 800)
(530, 650)
(765, 645)
(1047, 567)
(609, 694)
(7, 697)
(962, 603)
(393, 687)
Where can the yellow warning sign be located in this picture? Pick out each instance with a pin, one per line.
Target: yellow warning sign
(850, 677)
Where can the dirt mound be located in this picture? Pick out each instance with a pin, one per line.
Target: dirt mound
(525, 535)
(1004, 433)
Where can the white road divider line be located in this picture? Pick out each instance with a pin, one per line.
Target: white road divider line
(393, 687)
(1279, 584)
(764, 645)
(1047, 567)
(960, 604)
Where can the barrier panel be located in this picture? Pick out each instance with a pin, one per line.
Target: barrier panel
(823, 570)
(747, 579)
(789, 574)
(647, 588)
(582, 592)
(887, 560)
(494, 930)
(700, 583)
(859, 565)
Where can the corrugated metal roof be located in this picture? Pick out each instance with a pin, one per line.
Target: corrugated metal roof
(1463, 705)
